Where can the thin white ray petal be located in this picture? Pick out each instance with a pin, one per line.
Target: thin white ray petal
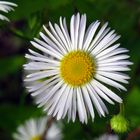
(111, 40)
(108, 92)
(88, 102)
(82, 31)
(41, 84)
(114, 58)
(89, 34)
(116, 52)
(36, 53)
(110, 82)
(62, 103)
(113, 68)
(100, 93)
(65, 32)
(74, 107)
(106, 51)
(117, 63)
(55, 101)
(114, 76)
(104, 43)
(50, 42)
(6, 8)
(99, 100)
(45, 50)
(61, 35)
(95, 101)
(48, 60)
(76, 33)
(45, 87)
(39, 66)
(57, 36)
(80, 106)
(42, 43)
(68, 103)
(8, 3)
(51, 92)
(41, 74)
(72, 31)
(55, 40)
(100, 35)
(57, 106)
(2, 17)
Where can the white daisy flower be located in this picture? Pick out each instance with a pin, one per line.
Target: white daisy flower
(72, 71)
(33, 129)
(108, 137)
(6, 7)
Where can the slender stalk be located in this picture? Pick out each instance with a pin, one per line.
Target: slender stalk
(122, 110)
(48, 125)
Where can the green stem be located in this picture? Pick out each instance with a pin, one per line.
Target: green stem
(122, 109)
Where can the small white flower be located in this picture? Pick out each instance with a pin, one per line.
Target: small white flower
(108, 137)
(33, 129)
(73, 70)
(6, 7)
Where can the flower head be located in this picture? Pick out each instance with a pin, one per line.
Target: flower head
(33, 129)
(108, 137)
(71, 73)
(6, 7)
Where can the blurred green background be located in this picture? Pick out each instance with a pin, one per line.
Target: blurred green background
(16, 105)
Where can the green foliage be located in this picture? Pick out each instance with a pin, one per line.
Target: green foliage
(10, 65)
(132, 107)
(27, 21)
(12, 116)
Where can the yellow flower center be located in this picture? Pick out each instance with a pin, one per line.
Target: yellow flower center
(36, 138)
(77, 68)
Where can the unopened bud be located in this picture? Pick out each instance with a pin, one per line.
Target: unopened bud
(119, 124)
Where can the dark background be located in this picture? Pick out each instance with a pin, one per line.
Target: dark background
(16, 105)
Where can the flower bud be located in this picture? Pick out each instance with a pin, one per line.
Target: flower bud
(119, 124)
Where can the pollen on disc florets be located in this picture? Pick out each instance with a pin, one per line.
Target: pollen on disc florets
(36, 138)
(77, 68)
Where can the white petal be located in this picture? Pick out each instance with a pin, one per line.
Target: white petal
(110, 82)
(68, 102)
(50, 42)
(106, 51)
(95, 100)
(88, 102)
(76, 33)
(72, 111)
(101, 94)
(114, 76)
(81, 107)
(102, 32)
(31, 57)
(41, 74)
(55, 40)
(45, 50)
(72, 30)
(55, 101)
(89, 34)
(65, 32)
(45, 45)
(62, 37)
(113, 68)
(108, 92)
(62, 103)
(82, 31)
